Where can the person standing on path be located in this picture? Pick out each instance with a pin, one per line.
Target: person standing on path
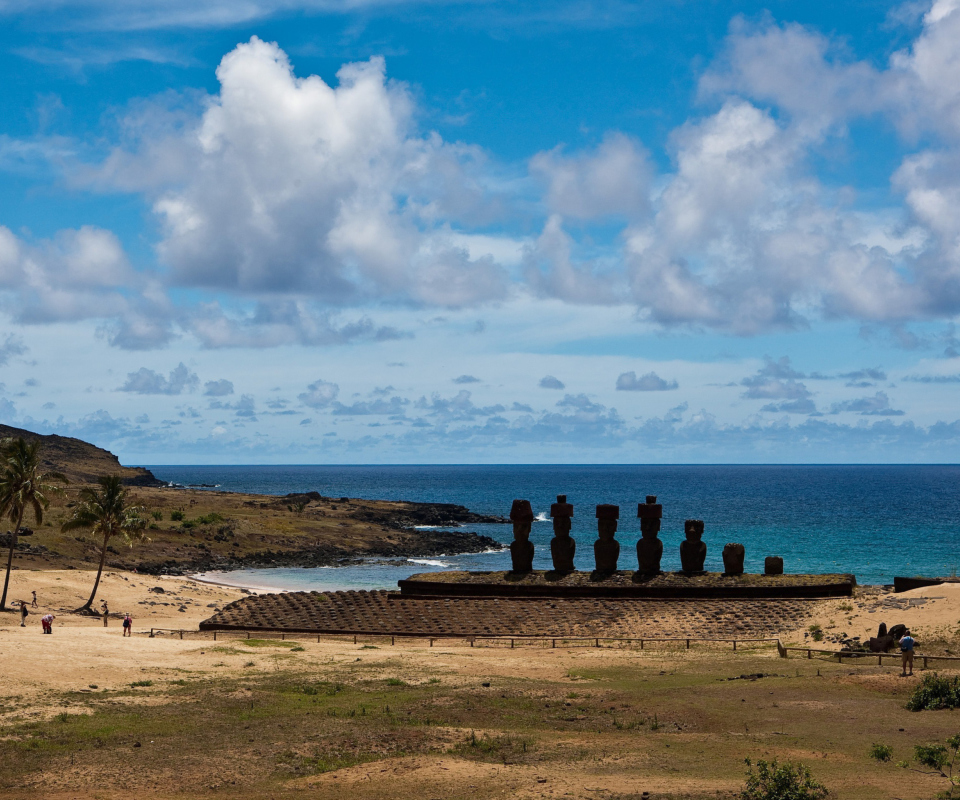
(128, 625)
(23, 613)
(105, 612)
(34, 593)
(907, 645)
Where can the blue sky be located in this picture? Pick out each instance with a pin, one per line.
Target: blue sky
(430, 232)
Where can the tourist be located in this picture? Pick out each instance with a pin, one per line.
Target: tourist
(907, 645)
(127, 625)
(23, 613)
(105, 612)
(34, 599)
(47, 622)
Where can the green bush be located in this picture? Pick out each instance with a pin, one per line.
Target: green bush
(816, 632)
(776, 781)
(934, 756)
(935, 692)
(881, 752)
(176, 516)
(157, 515)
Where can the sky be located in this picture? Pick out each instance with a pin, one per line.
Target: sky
(428, 231)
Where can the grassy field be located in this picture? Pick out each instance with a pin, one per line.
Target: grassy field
(380, 722)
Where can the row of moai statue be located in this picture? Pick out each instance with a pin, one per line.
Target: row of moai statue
(606, 550)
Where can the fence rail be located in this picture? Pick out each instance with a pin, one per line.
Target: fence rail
(546, 642)
(470, 640)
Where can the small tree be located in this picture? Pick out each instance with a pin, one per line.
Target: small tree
(775, 781)
(106, 512)
(23, 486)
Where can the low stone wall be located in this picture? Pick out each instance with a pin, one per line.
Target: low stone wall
(389, 613)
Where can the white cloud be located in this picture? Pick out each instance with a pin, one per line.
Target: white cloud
(287, 184)
(146, 381)
(319, 394)
(550, 382)
(218, 388)
(651, 382)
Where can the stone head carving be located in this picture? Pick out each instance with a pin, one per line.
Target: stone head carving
(733, 554)
(606, 549)
(521, 549)
(650, 514)
(693, 552)
(562, 547)
(521, 515)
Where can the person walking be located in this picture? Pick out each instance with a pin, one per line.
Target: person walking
(907, 645)
(105, 612)
(128, 625)
(23, 613)
(34, 599)
(47, 622)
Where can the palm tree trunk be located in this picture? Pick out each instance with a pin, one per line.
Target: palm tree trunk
(103, 557)
(6, 580)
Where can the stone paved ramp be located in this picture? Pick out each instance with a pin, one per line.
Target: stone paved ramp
(382, 612)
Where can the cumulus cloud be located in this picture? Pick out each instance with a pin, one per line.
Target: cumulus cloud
(933, 378)
(862, 378)
(549, 382)
(146, 381)
(613, 180)
(776, 380)
(326, 191)
(12, 346)
(392, 407)
(876, 406)
(319, 394)
(218, 388)
(466, 379)
(459, 407)
(651, 382)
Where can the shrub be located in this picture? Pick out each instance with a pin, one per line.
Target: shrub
(395, 682)
(776, 781)
(935, 692)
(816, 632)
(157, 515)
(881, 752)
(934, 756)
(176, 516)
(135, 684)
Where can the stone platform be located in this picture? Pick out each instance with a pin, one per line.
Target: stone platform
(623, 584)
(390, 613)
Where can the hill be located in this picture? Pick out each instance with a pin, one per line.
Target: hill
(81, 461)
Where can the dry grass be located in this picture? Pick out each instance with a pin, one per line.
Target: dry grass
(421, 723)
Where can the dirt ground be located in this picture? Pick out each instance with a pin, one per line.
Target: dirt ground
(86, 713)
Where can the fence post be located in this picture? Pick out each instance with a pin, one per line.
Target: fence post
(925, 662)
(734, 645)
(511, 644)
(641, 644)
(597, 642)
(214, 636)
(471, 642)
(431, 642)
(809, 654)
(688, 644)
(181, 634)
(553, 643)
(393, 640)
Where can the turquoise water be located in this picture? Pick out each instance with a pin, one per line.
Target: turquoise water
(873, 521)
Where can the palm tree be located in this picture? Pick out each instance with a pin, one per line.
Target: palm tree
(105, 510)
(22, 486)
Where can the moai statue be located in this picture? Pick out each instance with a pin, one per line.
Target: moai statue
(521, 548)
(562, 546)
(693, 552)
(773, 565)
(606, 549)
(733, 559)
(649, 548)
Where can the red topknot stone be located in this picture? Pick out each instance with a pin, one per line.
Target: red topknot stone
(521, 511)
(608, 511)
(561, 508)
(651, 509)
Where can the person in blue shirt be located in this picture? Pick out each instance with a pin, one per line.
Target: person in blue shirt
(907, 644)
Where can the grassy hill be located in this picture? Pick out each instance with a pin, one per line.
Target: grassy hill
(80, 461)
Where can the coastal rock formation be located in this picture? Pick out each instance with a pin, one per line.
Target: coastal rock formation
(693, 551)
(606, 549)
(733, 554)
(562, 547)
(521, 549)
(773, 565)
(649, 548)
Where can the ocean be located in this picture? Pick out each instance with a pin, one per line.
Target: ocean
(874, 521)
